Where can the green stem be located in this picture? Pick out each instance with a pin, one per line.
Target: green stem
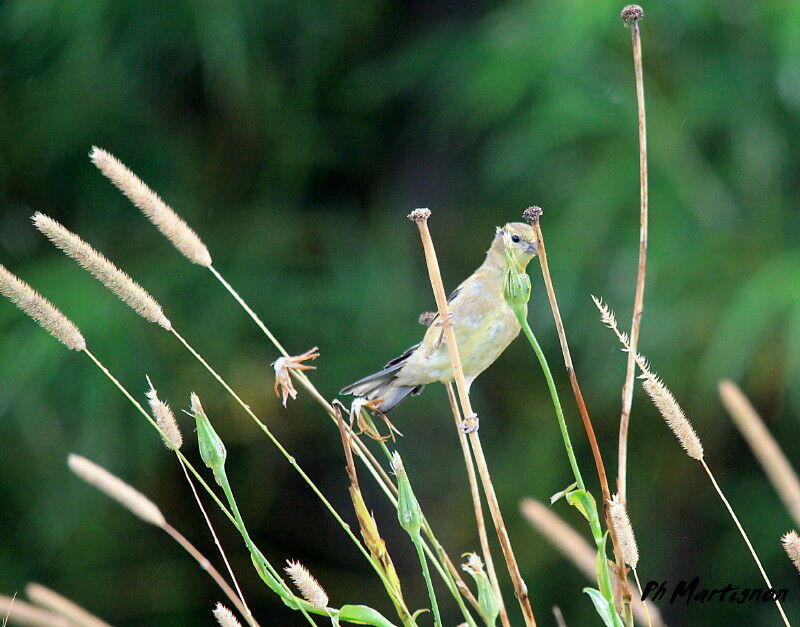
(292, 461)
(437, 619)
(562, 424)
(254, 551)
(144, 413)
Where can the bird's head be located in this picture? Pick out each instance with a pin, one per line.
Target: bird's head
(516, 240)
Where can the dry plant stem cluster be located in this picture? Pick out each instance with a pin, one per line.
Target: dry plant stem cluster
(677, 421)
(632, 14)
(483, 537)
(189, 244)
(533, 215)
(420, 216)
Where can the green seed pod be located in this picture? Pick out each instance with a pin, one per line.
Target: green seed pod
(516, 284)
(408, 511)
(212, 450)
(490, 608)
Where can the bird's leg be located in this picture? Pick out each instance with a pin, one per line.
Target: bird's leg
(469, 424)
(446, 321)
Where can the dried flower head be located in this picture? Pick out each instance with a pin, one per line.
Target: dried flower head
(284, 387)
(365, 427)
(419, 215)
(791, 544)
(309, 587)
(225, 617)
(130, 292)
(624, 531)
(165, 419)
(156, 210)
(632, 13)
(532, 214)
(114, 487)
(662, 398)
(41, 310)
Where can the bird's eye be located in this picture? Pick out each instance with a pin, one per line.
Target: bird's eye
(515, 238)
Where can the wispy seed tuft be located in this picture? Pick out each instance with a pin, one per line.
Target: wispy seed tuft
(156, 210)
(41, 310)
(128, 290)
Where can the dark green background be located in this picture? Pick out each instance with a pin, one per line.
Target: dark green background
(295, 137)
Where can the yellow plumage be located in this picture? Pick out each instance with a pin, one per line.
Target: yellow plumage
(484, 325)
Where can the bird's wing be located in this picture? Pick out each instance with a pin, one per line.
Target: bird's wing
(450, 299)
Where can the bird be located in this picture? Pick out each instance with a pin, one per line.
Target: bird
(484, 325)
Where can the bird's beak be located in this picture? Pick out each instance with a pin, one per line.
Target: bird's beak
(532, 250)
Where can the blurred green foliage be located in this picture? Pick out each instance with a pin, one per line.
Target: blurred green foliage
(295, 136)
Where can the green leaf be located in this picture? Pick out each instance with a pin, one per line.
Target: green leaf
(603, 575)
(363, 615)
(584, 502)
(602, 607)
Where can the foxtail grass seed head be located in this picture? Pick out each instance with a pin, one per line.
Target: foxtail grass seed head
(114, 487)
(659, 393)
(21, 613)
(487, 601)
(130, 292)
(165, 419)
(409, 512)
(673, 414)
(309, 587)
(156, 210)
(225, 617)
(791, 544)
(212, 450)
(41, 310)
(624, 531)
(51, 600)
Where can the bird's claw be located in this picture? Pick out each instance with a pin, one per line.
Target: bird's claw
(446, 321)
(469, 424)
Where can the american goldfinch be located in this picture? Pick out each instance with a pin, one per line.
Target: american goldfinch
(484, 325)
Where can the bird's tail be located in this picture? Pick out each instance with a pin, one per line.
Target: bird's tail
(382, 385)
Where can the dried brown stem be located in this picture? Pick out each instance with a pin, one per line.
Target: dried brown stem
(476, 504)
(420, 216)
(633, 18)
(622, 580)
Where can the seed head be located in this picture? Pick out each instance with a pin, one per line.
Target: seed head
(624, 531)
(308, 586)
(419, 215)
(128, 290)
(114, 487)
(41, 310)
(532, 214)
(284, 387)
(156, 210)
(225, 617)
(791, 544)
(164, 418)
(632, 13)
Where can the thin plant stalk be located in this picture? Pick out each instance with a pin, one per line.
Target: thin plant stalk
(744, 537)
(478, 507)
(632, 14)
(248, 615)
(622, 580)
(420, 216)
(292, 461)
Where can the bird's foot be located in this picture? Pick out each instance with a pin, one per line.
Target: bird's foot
(469, 424)
(447, 321)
